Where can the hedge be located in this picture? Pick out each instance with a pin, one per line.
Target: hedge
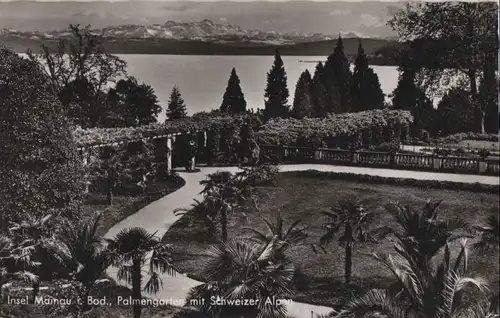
(344, 130)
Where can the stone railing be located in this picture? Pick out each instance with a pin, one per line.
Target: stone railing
(290, 154)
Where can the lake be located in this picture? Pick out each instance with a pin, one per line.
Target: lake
(202, 80)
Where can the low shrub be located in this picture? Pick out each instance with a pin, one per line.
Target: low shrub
(455, 138)
(429, 184)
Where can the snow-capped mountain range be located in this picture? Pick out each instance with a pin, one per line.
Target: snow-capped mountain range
(205, 30)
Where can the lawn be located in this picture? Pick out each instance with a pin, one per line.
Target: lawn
(129, 202)
(321, 275)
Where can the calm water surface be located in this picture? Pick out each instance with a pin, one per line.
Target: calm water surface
(202, 80)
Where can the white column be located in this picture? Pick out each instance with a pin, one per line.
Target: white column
(86, 159)
(169, 153)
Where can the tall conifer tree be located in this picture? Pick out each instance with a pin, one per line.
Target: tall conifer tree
(366, 93)
(302, 106)
(337, 79)
(176, 107)
(233, 100)
(276, 94)
(318, 93)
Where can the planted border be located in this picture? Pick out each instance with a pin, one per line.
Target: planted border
(430, 184)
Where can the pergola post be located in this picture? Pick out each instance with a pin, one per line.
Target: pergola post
(169, 153)
(86, 159)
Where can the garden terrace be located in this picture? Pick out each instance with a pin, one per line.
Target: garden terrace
(339, 130)
(303, 195)
(394, 160)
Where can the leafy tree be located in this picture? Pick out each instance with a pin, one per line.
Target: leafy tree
(108, 167)
(366, 93)
(450, 38)
(213, 144)
(233, 100)
(488, 96)
(41, 172)
(276, 94)
(176, 107)
(434, 292)
(336, 80)
(354, 220)
(318, 93)
(136, 104)
(302, 104)
(131, 250)
(241, 270)
(455, 112)
(79, 70)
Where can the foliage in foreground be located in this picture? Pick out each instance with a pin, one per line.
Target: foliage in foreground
(40, 171)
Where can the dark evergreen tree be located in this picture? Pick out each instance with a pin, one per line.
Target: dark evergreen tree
(455, 112)
(176, 107)
(40, 170)
(366, 93)
(318, 93)
(132, 104)
(302, 103)
(276, 94)
(488, 96)
(408, 96)
(336, 79)
(233, 100)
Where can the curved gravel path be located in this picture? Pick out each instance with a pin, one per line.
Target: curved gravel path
(158, 217)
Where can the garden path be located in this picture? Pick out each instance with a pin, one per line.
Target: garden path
(158, 217)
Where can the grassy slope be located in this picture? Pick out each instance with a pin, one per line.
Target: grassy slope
(304, 198)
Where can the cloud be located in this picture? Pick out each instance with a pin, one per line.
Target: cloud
(339, 12)
(371, 20)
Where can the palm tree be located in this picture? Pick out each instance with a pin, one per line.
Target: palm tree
(350, 217)
(489, 234)
(130, 249)
(15, 262)
(290, 237)
(433, 292)
(89, 257)
(49, 252)
(224, 191)
(423, 232)
(240, 269)
(202, 213)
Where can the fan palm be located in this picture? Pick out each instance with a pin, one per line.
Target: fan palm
(15, 262)
(353, 222)
(224, 191)
(423, 232)
(132, 249)
(49, 251)
(430, 293)
(489, 234)
(201, 212)
(239, 270)
(290, 237)
(89, 257)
